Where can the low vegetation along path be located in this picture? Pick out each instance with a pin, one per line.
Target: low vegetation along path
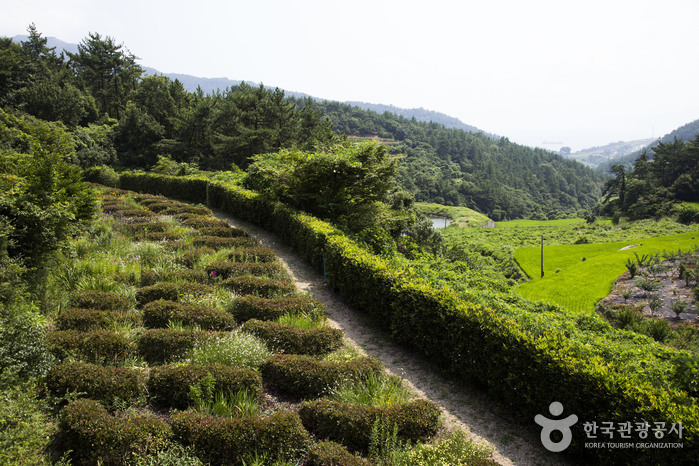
(465, 407)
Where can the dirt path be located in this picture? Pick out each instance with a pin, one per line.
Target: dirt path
(463, 406)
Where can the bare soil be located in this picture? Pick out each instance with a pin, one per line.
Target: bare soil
(486, 419)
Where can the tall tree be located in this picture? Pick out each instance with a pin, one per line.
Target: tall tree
(108, 71)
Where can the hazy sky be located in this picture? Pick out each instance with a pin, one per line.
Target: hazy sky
(575, 73)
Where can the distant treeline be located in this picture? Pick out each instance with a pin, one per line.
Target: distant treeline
(121, 117)
(455, 167)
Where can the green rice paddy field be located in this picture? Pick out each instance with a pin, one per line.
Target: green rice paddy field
(577, 276)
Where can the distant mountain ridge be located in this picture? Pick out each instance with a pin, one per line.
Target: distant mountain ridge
(211, 85)
(594, 156)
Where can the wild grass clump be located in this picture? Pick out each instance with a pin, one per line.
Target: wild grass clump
(456, 449)
(238, 349)
(379, 390)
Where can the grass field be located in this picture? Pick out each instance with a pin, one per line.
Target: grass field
(577, 276)
(538, 223)
(461, 216)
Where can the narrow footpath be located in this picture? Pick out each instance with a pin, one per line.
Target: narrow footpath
(485, 419)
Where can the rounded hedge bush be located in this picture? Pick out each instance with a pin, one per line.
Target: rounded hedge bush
(289, 339)
(93, 436)
(259, 286)
(191, 257)
(216, 242)
(168, 385)
(226, 269)
(200, 221)
(223, 232)
(253, 254)
(163, 344)
(92, 346)
(185, 209)
(329, 453)
(150, 277)
(416, 421)
(225, 440)
(97, 382)
(130, 212)
(93, 319)
(255, 307)
(157, 314)
(95, 299)
(308, 377)
(161, 236)
(169, 291)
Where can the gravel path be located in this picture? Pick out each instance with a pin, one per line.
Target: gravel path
(485, 419)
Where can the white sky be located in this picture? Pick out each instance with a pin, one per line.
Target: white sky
(575, 73)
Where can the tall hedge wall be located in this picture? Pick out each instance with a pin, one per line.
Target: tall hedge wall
(530, 358)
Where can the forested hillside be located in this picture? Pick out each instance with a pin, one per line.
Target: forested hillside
(125, 118)
(455, 167)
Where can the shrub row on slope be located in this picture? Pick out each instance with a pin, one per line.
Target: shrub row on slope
(529, 356)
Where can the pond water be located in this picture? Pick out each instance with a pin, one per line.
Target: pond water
(439, 222)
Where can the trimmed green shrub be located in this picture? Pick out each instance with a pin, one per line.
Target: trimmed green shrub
(106, 384)
(217, 242)
(150, 277)
(140, 229)
(168, 386)
(93, 436)
(329, 453)
(95, 299)
(163, 344)
(91, 346)
(227, 269)
(158, 205)
(292, 340)
(157, 314)
(169, 291)
(93, 319)
(255, 307)
(160, 236)
(191, 257)
(259, 254)
(351, 425)
(222, 232)
(128, 213)
(259, 286)
(308, 377)
(185, 209)
(225, 440)
(200, 221)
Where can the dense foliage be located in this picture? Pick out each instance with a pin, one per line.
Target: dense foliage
(455, 167)
(653, 185)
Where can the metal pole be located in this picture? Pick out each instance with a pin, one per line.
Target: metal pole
(542, 256)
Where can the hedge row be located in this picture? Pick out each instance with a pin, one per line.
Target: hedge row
(150, 277)
(95, 299)
(257, 254)
(226, 269)
(255, 307)
(308, 377)
(285, 338)
(102, 383)
(329, 453)
(157, 314)
(225, 440)
(218, 242)
(168, 386)
(93, 319)
(91, 346)
(159, 345)
(525, 355)
(169, 291)
(258, 286)
(352, 424)
(93, 436)
(223, 232)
